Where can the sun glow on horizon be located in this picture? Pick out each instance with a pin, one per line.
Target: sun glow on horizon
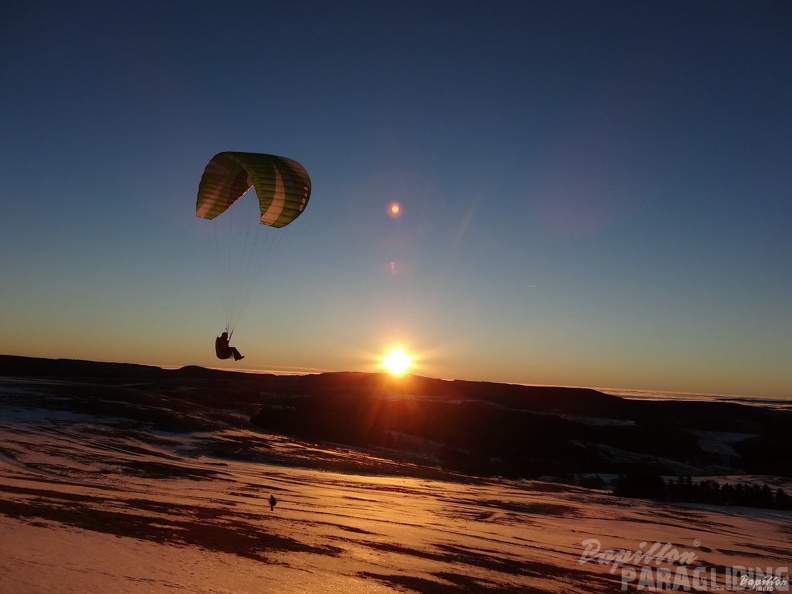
(397, 362)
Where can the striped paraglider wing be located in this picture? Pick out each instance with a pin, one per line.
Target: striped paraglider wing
(282, 186)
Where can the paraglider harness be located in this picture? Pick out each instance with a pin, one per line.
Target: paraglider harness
(223, 352)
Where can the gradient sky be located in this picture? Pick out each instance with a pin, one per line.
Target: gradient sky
(593, 193)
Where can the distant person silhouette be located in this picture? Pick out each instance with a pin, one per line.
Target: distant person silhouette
(224, 350)
(273, 501)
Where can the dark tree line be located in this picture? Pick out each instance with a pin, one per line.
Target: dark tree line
(684, 489)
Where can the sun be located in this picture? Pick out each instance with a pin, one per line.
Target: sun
(397, 361)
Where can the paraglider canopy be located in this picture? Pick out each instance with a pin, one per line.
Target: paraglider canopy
(243, 226)
(282, 186)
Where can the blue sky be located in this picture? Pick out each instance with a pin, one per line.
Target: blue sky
(594, 193)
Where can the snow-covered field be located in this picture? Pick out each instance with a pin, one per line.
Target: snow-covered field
(110, 504)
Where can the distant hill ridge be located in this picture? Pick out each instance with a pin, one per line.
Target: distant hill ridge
(14, 365)
(484, 427)
(559, 399)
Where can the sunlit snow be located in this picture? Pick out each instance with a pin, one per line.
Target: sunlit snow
(105, 504)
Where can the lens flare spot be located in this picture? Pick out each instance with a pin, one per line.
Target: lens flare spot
(395, 210)
(397, 361)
